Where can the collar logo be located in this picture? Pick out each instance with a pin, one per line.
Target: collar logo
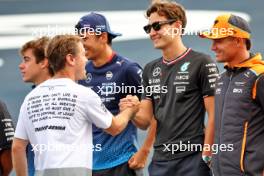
(156, 71)
(185, 66)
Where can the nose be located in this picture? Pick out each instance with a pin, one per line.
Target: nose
(214, 46)
(21, 66)
(152, 32)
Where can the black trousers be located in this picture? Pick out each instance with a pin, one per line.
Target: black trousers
(192, 165)
(120, 170)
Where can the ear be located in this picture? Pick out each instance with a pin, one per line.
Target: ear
(104, 37)
(44, 63)
(70, 60)
(177, 25)
(240, 42)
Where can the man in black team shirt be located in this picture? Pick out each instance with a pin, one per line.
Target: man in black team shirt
(6, 137)
(182, 83)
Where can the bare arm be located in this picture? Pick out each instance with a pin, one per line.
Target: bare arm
(120, 121)
(144, 116)
(209, 130)
(19, 156)
(5, 162)
(129, 109)
(138, 160)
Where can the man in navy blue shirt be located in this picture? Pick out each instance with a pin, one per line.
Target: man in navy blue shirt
(112, 77)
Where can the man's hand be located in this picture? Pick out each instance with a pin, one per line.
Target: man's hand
(129, 102)
(139, 159)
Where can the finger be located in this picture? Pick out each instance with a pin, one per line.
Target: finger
(133, 165)
(129, 96)
(141, 166)
(131, 160)
(124, 100)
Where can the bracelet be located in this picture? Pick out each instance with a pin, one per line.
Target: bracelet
(207, 159)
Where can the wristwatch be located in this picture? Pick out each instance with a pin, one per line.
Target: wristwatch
(207, 159)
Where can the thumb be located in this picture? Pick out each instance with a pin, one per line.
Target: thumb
(130, 161)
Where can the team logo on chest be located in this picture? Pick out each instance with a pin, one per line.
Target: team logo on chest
(109, 75)
(156, 71)
(88, 78)
(185, 66)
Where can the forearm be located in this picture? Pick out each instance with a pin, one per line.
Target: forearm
(144, 116)
(142, 121)
(209, 136)
(120, 121)
(148, 143)
(19, 160)
(6, 161)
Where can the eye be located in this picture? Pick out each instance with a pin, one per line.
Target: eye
(26, 59)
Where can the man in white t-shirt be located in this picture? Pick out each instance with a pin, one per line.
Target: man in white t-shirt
(56, 117)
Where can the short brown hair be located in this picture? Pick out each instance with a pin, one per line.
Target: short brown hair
(59, 47)
(171, 10)
(38, 47)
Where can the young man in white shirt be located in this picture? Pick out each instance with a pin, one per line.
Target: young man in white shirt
(57, 116)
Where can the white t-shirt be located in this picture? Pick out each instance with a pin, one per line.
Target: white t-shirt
(56, 117)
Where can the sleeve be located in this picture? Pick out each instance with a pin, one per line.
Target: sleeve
(145, 84)
(260, 91)
(6, 127)
(96, 111)
(208, 76)
(134, 77)
(21, 131)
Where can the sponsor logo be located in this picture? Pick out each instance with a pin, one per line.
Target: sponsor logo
(212, 85)
(182, 77)
(119, 62)
(211, 65)
(218, 91)
(213, 75)
(139, 72)
(212, 80)
(235, 90)
(88, 78)
(240, 83)
(103, 107)
(109, 75)
(247, 74)
(156, 71)
(213, 70)
(180, 89)
(180, 83)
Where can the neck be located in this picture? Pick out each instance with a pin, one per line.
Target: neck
(42, 77)
(64, 74)
(174, 50)
(239, 58)
(103, 57)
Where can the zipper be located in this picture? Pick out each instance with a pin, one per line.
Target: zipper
(223, 112)
(243, 147)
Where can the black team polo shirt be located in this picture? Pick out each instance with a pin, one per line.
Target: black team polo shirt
(177, 89)
(6, 128)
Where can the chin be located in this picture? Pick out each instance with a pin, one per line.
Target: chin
(25, 79)
(158, 46)
(82, 77)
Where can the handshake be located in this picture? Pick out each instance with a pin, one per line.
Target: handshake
(131, 102)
